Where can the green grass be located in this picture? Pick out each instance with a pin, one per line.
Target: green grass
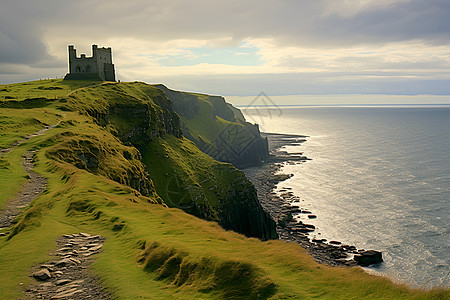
(152, 251)
(186, 177)
(206, 128)
(48, 88)
(15, 124)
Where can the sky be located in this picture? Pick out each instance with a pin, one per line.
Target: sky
(239, 47)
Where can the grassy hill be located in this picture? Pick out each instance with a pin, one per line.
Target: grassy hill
(104, 179)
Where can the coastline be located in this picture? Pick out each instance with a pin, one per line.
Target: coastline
(282, 206)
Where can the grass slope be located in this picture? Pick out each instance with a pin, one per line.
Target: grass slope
(155, 252)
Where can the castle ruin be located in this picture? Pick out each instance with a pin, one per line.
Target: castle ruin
(97, 67)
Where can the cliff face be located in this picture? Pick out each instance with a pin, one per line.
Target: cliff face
(141, 116)
(246, 216)
(134, 112)
(218, 128)
(102, 154)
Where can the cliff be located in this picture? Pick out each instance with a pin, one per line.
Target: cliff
(218, 128)
(141, 116)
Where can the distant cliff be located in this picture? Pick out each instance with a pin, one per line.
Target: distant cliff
(218, 128)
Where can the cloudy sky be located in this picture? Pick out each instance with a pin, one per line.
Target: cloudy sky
(239, 47)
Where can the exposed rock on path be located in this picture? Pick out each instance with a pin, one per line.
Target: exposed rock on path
(68, 276)
(30, 191)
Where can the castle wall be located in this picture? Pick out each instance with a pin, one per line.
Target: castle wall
(99, 65)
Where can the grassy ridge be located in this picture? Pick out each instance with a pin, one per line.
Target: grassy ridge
(151, 251)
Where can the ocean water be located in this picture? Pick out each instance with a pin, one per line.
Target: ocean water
(379, 179)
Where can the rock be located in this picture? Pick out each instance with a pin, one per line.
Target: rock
(95, 248)
(312, 216)
(64, 249)
(84, 234)
(284, 219)
(42, 275)
(296, 210)
(338, 254)
(2, 234)
(335, 242)
(46, 285)
(63, 281)
(350, 263)
(57, 273)
(309, 226)
(286, 195)
(47, 266)
(319, 240)
(67, 293)
(368, 257)
(63, 262)
(76, 261)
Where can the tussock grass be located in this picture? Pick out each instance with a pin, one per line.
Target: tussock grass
(227, 278)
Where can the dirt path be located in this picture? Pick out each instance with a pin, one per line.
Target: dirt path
(30, 191)
(40, 132)
(68, 276)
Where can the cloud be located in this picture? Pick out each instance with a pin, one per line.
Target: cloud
(305, 84)
(299, 46)
(319, 23)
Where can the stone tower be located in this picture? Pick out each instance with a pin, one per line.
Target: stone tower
(97, 67)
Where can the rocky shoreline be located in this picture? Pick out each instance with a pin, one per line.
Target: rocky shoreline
(285, 205)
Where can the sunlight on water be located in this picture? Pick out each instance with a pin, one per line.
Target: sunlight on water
(378, 179)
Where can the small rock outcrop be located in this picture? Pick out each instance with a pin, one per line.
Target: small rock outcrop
(369, 257)
(42, 275)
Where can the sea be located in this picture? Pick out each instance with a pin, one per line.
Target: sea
(378, 178)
